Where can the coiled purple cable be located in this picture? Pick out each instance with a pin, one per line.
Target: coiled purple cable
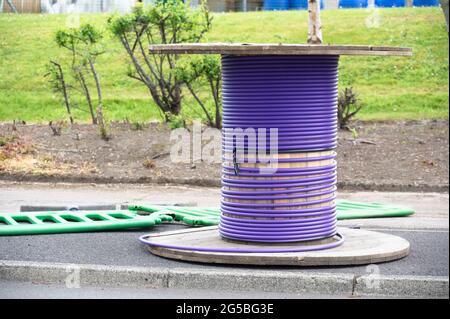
(297, 95)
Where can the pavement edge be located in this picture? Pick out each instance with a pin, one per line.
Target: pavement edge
(236, 280)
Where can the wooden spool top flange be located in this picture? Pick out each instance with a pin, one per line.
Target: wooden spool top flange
(278, 49)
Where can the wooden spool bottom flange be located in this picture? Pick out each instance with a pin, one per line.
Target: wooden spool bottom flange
(360, 247)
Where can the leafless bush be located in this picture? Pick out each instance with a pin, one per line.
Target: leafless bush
(349, 105)
(56, 127)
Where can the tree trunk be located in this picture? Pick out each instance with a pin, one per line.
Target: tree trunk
(175, 106)
(104, 134)
(97, 82)
(87, 94)
(214, 91)
(314, 24)
(64, 89)
(444, 5)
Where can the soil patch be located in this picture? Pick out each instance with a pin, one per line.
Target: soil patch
(403, 156)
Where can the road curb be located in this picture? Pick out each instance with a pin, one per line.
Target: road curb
(410, 286)
(288, 281)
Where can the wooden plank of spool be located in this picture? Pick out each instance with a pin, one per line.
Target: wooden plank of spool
(278, 49)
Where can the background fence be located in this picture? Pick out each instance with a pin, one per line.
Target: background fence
(123, 6)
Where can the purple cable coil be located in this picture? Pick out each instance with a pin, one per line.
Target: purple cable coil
(297, 95)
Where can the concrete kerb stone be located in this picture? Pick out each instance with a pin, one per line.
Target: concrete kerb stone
(59, 273)
(261, 280)
(237, 279)
(408, 286)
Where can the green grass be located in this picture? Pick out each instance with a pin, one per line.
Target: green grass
(390, 87)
